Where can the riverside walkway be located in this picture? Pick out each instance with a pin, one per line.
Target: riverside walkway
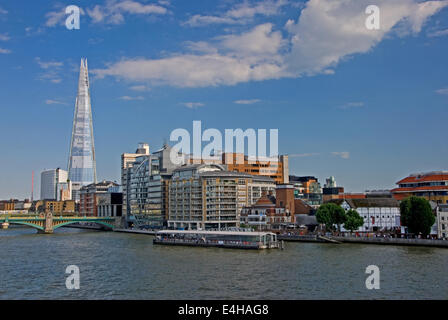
(367, 240)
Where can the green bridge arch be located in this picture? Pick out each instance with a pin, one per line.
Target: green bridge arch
(35, 226)
(29, 223)
(71, 222)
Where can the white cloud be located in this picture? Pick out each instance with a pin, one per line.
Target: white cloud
(442, 91)
(48, 64)
(30, 31)
(438, 33)
(351, 105)
(3, 11)
(329, 31)
(200, 47)
(422, 11)
(303, 155)
(249, 101)
(4, 37)
(326, 33)
(51, 101)
(58, 17)
(192, 70)
(342, 154)
(240, 13)
(52, 70)
(4, 51)
(129, 98)
(139, 88)
(193, 105)
(234, 64)
(55, 18)
(261, 40)
(199, 20)
(112, 12)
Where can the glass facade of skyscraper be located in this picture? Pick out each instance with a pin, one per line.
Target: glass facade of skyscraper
(82, 166)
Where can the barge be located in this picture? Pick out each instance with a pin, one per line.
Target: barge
(219, 239)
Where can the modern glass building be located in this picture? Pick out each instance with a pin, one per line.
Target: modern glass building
(51, 183)
(81, 163)
(147, 192)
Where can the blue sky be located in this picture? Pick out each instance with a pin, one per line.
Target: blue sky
(366, 106)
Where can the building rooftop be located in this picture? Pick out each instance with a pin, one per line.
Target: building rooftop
(301, 179)
(368, 202)
(425, 177)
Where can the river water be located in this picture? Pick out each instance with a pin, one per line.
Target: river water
(128, 266)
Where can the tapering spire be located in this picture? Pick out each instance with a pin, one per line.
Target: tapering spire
(82, 164)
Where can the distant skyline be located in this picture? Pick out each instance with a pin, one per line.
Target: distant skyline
(368, 107)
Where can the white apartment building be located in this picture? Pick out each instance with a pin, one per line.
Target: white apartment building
(206, 196)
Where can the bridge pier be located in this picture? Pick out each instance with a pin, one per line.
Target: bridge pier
(48, 227)
(44, 231)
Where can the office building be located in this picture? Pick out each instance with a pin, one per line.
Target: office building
(331, 190)
(82, 163)
(88, 202)
(110, 203)
(127, 161)
(308, 189)
(147, 179)
(278, 169)
(53, 183)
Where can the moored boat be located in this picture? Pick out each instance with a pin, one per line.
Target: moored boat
(221, 239)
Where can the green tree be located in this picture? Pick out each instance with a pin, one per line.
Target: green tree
(331, 214)
(417, 215)
(354, 220)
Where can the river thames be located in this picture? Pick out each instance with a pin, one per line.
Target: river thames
(128, 266)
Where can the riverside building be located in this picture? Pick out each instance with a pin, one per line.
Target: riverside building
(110, 203)
(146, 192)
(127, 161)
(432, 186)
(207, 196)
(90, 194)
(379, 214)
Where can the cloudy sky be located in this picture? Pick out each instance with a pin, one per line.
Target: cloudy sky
(366, 106)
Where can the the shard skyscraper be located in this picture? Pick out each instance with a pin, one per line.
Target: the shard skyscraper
(81, 162)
